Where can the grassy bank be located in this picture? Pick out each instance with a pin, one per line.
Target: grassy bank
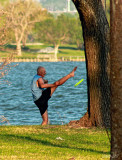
(30, 51)
(53, 143)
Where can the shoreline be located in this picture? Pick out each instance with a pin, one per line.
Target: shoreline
(44, 60)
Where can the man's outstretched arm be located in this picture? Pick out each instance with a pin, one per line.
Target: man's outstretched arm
(43, 85)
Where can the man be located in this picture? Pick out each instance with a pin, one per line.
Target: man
(42, 91)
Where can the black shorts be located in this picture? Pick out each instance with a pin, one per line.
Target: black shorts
(42, 102)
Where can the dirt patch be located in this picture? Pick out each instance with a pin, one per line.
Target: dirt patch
(83, 122)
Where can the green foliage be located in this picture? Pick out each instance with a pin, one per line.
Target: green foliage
(53, 30)
(4, 29)
(53, 143)
(71, 15)
(76, 33)
(63, 29)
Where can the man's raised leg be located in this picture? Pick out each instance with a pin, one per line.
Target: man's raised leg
(63, 80)
(53, 89)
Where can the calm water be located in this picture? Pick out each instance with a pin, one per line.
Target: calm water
(67, 103)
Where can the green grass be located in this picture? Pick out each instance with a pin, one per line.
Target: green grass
(41, 143)
(30, 51)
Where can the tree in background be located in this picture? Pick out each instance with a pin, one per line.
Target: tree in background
(75, 33)
(5, 64)
(53, 31)
(4, 26)
(96, 40)
(23, 15)
(116, 79)
(4, 29)
(25, 36)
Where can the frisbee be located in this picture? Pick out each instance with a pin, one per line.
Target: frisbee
(78, 82)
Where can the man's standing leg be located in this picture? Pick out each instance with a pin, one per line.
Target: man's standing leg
(45, 118)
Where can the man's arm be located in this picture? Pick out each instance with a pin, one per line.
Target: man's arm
(45, 81)
(42, 85)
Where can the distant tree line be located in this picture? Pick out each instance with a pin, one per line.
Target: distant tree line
(4, 39)
(60, 30)
(22, 16)
(29, 22)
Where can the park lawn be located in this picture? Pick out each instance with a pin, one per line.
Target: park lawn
(30, 51)
(53, 142)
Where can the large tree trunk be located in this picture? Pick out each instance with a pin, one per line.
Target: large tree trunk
(96, 41)
(116, 80)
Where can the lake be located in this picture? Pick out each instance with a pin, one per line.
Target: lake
(67, 103)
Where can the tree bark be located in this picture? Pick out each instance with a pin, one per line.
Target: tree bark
(19, 52)
(96, 42)
(116, 79)
(24, 40)
(18, 43)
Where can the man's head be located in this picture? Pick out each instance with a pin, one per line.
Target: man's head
(41, 71)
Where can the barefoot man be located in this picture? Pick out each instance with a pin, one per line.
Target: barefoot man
(42, 91)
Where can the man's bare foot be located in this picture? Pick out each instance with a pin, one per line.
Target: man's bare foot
(73, 72)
